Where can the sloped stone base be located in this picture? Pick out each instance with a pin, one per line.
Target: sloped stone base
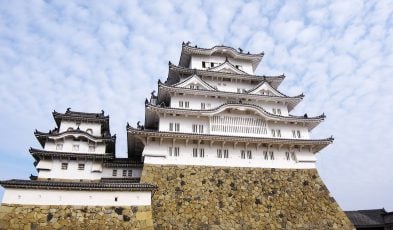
(199, 197)
(74, 217)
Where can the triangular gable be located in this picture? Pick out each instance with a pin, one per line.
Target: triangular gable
(227, 67)
(265, 88)
(193, 81)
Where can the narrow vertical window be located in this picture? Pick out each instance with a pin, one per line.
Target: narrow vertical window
(203, 106)
(114, 172)
(211, 64)
(249, 154)
(171, 126)
(124, 173)
(287, 157)
(226, 155)
(181, 104)
(293, 133)
(219, 153)
(265, 155)
(243, 154)
(200, 128)
(274, 110)
(130, 172)
(278, 133)
(271, 155)
(177, 152)
(202, 153)
(187, 104)
(177, 127)
(170, 151)
(195, 152)
(279, 111)
(298, 134)
(203, 64)
(194, 128)
(273, 133)
(293, 156)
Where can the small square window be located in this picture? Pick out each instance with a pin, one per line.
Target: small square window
(114, 172)
(81, 166)
(124, 173)
(64, 166)
(75, 147)
(130, 173)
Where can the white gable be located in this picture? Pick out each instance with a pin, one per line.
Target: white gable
(194, 82)
(227, 68)
(266, 89)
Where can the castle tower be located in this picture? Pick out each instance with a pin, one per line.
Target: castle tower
(224, 150)
(78, 178)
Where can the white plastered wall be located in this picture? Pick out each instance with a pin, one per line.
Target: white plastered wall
(196, 62)
(85, 198)
(96, 127)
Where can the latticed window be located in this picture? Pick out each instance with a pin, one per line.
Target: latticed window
(226, 154)
(64, 166)
(219, 153)
(249, 154)
(203, 106)
(181, 104)
(202, 153)
(233, 124)
(170, 126)
(195, 152)
(243, 154)
(130, 173)
(81, 166)
(187, 104)
(124, 173)
(271, 155)
(287, 156)
(176, 152)
(114, 172)
(177, 127)
(265, 155)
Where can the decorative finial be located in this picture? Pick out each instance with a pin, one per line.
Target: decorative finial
(305, 115)
(241, 50)
(152, 93)
(68, 109)
(128, 125)
(196, 46)
(159, 81)
(248, 52)
(169, 63)
(188, 43)
(102, 111)
(138, 124)
(226, 59)
(182, 43)
(146, 101)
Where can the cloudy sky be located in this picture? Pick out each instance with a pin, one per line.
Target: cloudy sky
(109, 55)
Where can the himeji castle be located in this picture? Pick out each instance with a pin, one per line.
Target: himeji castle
(219, 148)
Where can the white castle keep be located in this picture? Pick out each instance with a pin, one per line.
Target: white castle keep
(211, 111)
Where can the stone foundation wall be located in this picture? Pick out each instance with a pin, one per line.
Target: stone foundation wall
(74, 217)
(199, 197)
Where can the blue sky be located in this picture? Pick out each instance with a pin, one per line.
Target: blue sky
(109, 55)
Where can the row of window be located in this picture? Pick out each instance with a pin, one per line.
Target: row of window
(276, 111)
(224, 153)
(186, 105)
(89, 131)
(64, 166)
(75, 147)
(125, 173)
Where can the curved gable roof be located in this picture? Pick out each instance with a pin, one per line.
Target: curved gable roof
(192, 80)
(227, 67)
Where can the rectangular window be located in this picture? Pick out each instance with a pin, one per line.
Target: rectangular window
(243, 154)
(180, 104)
(75, 147)
(202, 153)
(203, 64)
(187, 104)
(279, 111)
(226, 154)
(273, 133)
(265, 155)
(239, 90)
(293, 156)
(219, 153)
(191, 86)
(271, 155)
(203, 106)
(171, 126)
(81, 166)
(278, 133)
(170, 151)
(249, 154)
(211, 64)
(92, 148)
(195, 152)
(124, 173)
(194, 128)
(177, 152)
(293, 133)
(274, 111)
(130, 173)
(298, 134)
(200, 128)
(177, 127)
(64, 166)
(287, 157)
(114, 172)
(59, 146)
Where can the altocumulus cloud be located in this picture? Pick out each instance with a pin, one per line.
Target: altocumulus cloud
(109, 55)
